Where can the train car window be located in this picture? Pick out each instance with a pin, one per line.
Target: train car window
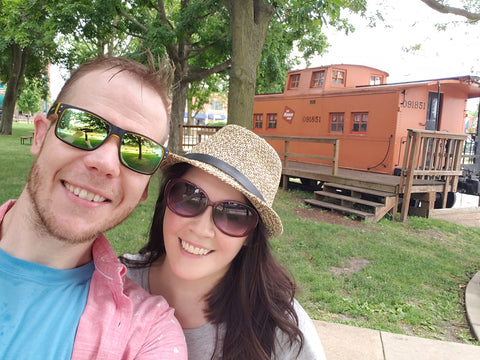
(337, 122)
(294, 81)
(338, 76)
(258, 121)
(359, 122)
(272, 121)
(375, 80)
(318, 78)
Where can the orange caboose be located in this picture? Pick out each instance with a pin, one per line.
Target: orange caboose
(354, 104)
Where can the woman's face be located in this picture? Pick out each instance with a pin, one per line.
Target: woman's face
(195, 248)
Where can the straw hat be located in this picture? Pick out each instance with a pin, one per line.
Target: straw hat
(246, 162)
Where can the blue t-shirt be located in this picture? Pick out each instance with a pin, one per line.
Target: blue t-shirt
(40, 308)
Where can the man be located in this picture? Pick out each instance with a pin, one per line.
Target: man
(63, 293)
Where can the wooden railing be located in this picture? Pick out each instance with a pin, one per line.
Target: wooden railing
(432, 156)
(286, 154)
(191, 135)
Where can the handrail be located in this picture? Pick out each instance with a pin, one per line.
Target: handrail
(289, 139)
(190, 135)
(431, 155)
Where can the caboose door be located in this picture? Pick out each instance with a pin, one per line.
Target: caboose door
(433, 111)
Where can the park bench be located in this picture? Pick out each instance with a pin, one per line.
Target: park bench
(27, 137)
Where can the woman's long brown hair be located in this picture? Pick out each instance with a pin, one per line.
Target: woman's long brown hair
(252, 301)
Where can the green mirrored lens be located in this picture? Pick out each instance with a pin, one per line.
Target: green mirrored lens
(140, 153)
(82, 129)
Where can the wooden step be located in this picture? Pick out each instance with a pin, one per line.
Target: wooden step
(358, 189)
(319, 194)
(368, 217)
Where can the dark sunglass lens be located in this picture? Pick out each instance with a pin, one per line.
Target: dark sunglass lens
(81, 129)
(234, 219)
(186, 200)
(140, 153)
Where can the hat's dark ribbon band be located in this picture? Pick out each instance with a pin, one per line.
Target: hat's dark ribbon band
(227, 169)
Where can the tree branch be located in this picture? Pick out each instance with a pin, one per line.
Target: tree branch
(131, 18)
(196, 74)
(445, 9)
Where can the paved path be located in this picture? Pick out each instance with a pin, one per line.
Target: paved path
(344, 342)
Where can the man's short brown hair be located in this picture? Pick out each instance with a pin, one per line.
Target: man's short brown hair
(160, 80)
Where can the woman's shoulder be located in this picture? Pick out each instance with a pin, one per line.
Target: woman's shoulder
(138, 274)
(201, 341)
(312, 346)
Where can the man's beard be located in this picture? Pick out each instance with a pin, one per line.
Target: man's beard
(44, 219)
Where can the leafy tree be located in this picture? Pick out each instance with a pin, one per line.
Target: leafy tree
(290, 22)
(26, 40)
(199, 93)
(32, 94)
(193, 34)
(202, 38)
(34, 33)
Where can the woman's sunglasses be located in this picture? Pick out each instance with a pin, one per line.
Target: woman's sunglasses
(230, 217)
(85, 130)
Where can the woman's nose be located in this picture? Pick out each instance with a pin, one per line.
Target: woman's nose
(203, 223)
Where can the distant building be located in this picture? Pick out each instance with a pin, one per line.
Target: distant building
(216, 110)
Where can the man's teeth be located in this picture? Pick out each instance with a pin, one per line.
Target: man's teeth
(194, 250)
(84, 194)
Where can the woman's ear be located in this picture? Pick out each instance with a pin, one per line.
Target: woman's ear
(42, 124)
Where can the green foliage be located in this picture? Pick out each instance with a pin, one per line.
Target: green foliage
(31, 96)
(27, 24)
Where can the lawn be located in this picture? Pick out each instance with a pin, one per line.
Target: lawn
(407, 278)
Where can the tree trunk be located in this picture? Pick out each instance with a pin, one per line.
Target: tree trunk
(179, 97)
(17, 72)
(249, 25)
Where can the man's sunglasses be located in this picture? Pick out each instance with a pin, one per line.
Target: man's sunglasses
(85, 130)
(230, 217)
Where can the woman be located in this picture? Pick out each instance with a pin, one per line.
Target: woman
(209, 255)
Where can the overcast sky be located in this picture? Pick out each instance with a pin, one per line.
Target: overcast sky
(453, 52)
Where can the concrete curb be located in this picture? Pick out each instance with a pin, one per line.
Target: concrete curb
(346, 342)
(472, 304)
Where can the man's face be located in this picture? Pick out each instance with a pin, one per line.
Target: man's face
(79, 194)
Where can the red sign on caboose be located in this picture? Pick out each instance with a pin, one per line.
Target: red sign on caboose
(288, 114)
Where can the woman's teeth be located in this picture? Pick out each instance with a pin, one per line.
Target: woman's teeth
(193, 250)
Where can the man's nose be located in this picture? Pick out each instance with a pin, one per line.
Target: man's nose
(105, 159)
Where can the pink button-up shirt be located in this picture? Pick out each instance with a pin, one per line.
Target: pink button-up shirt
(121, 320)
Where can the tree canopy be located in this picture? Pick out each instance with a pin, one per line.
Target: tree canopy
(200, 37)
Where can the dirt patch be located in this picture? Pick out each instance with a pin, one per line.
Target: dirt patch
(353, 265)
(329, 216)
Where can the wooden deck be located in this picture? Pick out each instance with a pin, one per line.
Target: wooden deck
(364, 179)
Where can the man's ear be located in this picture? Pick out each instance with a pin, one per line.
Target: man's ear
(42, 124)
(145, 192)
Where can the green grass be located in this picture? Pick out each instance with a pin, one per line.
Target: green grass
(15, 162)
(414, 281)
